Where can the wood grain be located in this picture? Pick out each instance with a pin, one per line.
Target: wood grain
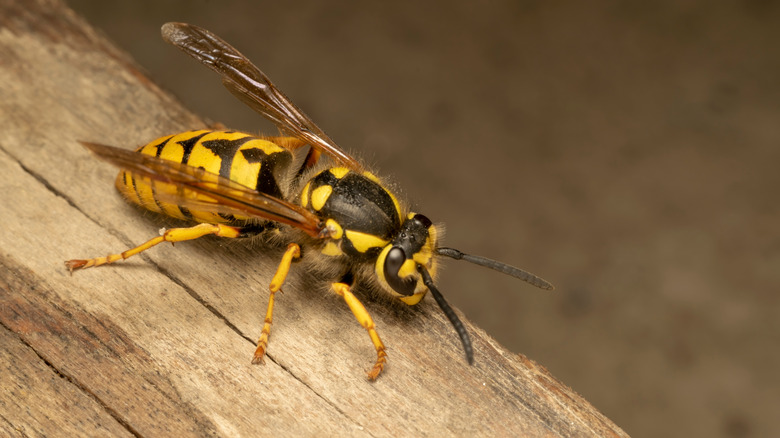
(161, 345)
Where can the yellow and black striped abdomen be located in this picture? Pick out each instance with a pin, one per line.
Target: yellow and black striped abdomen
(245, 159)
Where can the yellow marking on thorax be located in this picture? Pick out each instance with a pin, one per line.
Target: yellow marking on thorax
(395, 202)
(372, 177)
(331, 249)
(319, 196)
(305, 195)
(363, 242)
(336, 232)
(339, 172)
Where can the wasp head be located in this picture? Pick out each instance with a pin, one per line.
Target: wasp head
(397, 266)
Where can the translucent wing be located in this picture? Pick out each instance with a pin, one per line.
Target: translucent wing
(252, 86)
(228, 197)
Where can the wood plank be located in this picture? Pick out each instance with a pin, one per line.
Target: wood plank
(163, 343)
(27, 380)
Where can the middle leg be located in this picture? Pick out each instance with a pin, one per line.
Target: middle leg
(361, 314)
(293, 251)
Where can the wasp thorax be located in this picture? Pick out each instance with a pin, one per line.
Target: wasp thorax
(396, 266)
(361, 214)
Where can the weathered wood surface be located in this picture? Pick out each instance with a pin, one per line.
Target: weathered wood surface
(161, 345)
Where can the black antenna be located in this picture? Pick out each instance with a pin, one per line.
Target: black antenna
(498, 266)
(445, 307)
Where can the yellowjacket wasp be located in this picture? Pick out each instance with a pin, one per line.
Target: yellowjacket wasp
(236, 185)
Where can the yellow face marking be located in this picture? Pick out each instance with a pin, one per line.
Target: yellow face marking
(413, 299)
(363, 242)
(433, 234)
(339, 172)
(331, 249)
(424, 255)
(319, 196)
(408, 268)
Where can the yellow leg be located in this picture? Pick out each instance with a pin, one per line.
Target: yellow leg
(293, 251)
(365, 320)
(172, 235)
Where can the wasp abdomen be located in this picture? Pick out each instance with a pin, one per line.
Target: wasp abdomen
(251, 161)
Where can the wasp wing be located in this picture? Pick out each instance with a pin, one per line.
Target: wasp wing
(252, 86)
(224, 196)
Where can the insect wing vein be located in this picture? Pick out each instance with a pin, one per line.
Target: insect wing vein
(228, 196)
(247, 82)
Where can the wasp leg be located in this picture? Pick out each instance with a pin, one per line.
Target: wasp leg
(293, 251)
(365, 320)
(173, 235)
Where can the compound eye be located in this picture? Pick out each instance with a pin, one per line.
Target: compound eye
(423, 220)
(393, 261)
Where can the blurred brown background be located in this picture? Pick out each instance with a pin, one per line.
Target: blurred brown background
(626, 151)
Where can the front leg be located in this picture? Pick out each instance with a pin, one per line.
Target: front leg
(361, 314)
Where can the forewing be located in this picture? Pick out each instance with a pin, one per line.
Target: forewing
(252, 86)
(228, 197)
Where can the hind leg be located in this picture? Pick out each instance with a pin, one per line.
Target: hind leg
(173, 235)
(361, 314)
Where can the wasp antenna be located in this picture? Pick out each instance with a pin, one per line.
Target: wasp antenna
(498, 266)
(445, 307)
